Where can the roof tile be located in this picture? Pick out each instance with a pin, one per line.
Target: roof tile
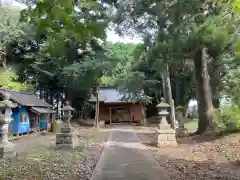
(25, 98)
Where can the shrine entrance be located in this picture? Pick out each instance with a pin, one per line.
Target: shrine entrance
(120, 112)
(120, 115)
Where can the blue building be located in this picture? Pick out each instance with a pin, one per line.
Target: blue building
(32, 113)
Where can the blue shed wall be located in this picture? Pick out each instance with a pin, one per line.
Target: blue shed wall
(43, 124)
(16, 125)
(43, 121)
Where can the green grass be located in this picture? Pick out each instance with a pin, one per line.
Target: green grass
(191, 125)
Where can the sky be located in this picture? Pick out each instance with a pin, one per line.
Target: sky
(114, 38)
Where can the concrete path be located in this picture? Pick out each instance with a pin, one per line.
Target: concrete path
(124, 157)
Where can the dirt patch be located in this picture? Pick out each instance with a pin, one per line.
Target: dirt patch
(199, 157)
(39, 159)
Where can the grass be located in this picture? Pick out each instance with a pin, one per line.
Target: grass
(191, 125)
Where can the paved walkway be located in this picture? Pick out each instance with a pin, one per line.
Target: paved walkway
(125, 158)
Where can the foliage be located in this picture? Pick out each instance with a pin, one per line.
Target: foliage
(9, 25)
(182, 31)
(63, 55)
(120, 56)
(194, 112)
(229, 119)
(59, 48)
(130, 82)
(10, 29)
(232, 85)
(8, 80)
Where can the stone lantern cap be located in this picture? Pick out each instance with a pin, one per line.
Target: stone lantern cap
(67, 107)
(162, 104)
(179, 108)
(6, 103)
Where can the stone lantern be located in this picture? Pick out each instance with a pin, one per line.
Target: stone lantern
(181, 131)
(67, 114)
(163, 112)
(165, 134)
(66, 137)
(6, 148)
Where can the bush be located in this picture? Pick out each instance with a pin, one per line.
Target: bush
(216, 121)
(228, 119)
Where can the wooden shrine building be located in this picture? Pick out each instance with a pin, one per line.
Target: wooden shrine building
(113, 109)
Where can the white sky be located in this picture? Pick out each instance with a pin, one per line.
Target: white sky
(113, 37)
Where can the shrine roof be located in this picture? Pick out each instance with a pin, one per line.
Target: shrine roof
(24, 98)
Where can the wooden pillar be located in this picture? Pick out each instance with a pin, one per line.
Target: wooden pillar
(39, 122)
(29, 129)
(48, 119)
(36, 123)
(97, 108)
(110, 115)
(131, 114)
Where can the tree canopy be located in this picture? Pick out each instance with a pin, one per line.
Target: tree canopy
(60, 48)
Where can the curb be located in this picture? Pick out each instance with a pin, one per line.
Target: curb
(97, 168)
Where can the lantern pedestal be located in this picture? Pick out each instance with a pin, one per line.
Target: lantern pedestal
(66, 138)
(165, 135)
(7, 149)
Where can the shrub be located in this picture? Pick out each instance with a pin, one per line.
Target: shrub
(217, 124)
(229, 119)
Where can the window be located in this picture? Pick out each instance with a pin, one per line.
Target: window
(23, 118)
(121, 111)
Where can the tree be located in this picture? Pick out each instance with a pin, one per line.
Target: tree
(8, 80)
(183, 31)
(60, 51)
(10, 29)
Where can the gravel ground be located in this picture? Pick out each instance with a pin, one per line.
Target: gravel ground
(199, 157)
(38, 158)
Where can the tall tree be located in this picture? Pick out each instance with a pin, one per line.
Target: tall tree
(184, 31)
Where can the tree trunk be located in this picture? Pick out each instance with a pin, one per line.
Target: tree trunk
(215, 80)
(215, 83)
(186, 112)
(62, 103)
(169, 99)
(164, 87)
(46, 96)
(57, 108)
(41, 93)
(96, 123)
(216, 102)
(51, 97)
(178, 93)
(68, 96)
(144, 114)
(203, 91)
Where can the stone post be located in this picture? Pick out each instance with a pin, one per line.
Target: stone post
(165, 134)
(66, 137)
(6, 148)
(180, 131)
